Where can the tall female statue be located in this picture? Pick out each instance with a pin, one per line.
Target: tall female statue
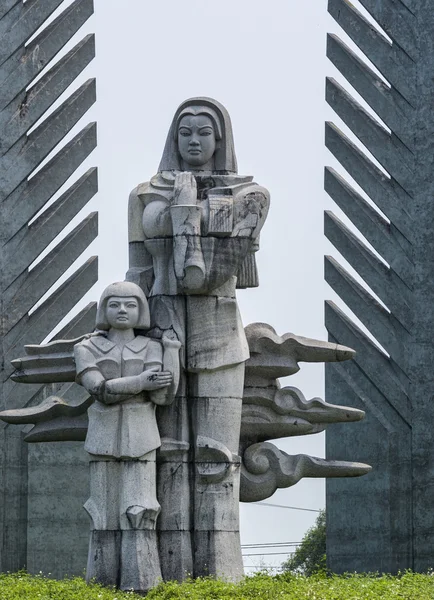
(193, 233)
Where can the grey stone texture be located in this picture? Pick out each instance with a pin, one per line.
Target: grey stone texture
(271, 412)
(191, 230)
(54, 515)
(193, 233)
(127, 375)
(392, 381)
(36, 479)
(179, 419)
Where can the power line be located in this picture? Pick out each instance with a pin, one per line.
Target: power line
(270, 544)
(290, 507)
(270, 554)
(263, 567)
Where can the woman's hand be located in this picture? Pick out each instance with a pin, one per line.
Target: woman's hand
(169, 343)
(185, 189)
(155, 380)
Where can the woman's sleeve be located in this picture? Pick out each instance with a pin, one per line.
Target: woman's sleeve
(250, 211)
(135, 216)
(166, 352)
(140, 267)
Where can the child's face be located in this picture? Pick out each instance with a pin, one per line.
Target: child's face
(123, 312)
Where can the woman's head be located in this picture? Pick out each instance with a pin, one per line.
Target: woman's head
(200, 138)
(123, 305)
(196, 136)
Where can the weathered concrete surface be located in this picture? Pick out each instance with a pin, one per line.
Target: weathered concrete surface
(127, 375)
(191, 230)
(123, 376)
(42, 523)
(395, 524)
(53, 516)
(270, 412)
(193, 235)
(381, 536)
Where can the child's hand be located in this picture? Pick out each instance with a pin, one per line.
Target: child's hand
(155, 380)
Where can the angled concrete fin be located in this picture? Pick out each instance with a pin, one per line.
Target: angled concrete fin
(83, 322)
(38, 99)
(31, 241)
(20, 23)
(17, 395)
(23, 204)
(33, 75)
(397, 20)
(393, 63)
(395, 294)
(390, 152)
(372, 314)
(354, 382)
(39, 324)
(390, 198)
(389, 105)
(370, 359)
(43, 48)
(25, 156)
(395, 507)
(375, 229)
(7, 5)
(42, 277)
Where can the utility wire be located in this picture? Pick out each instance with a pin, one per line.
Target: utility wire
(270, 554)
(271, 547)
(291, 507)
(270, 544)
(264, 567)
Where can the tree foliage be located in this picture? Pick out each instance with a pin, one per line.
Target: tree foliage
(310, 556)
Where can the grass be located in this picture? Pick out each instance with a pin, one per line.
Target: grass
(409, 586)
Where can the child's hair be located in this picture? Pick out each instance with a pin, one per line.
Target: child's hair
(123, 289)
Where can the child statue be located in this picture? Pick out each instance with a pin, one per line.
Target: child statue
(127, 375)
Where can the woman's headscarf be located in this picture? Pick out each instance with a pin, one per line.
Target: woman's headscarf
(224, 156)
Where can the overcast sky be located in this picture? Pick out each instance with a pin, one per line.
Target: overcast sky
(265, 61)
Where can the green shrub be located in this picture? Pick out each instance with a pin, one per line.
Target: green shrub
(287, 586)
(21, 586)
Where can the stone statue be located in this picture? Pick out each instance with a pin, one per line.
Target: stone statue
(193, 234)
(124, 374)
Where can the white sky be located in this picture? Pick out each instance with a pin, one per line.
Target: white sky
(265, 61)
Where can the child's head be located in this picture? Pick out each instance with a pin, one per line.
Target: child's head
(123, 305)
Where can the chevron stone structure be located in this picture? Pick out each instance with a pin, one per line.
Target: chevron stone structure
(43, 487)
(386, 521)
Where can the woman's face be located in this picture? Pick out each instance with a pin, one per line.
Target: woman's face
(196, 140)
(122, 312)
